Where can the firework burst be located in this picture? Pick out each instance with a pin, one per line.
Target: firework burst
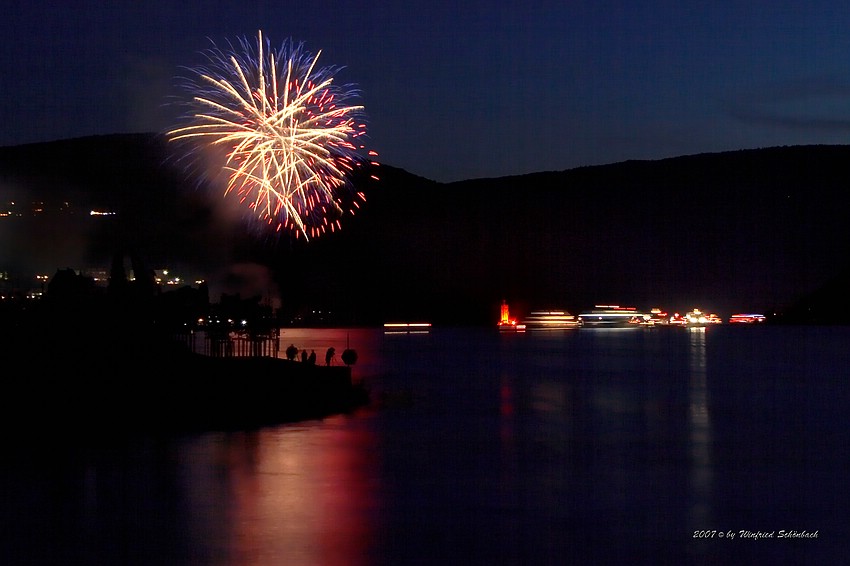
(291, 139)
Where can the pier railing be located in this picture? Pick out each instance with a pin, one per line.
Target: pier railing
(231, 344)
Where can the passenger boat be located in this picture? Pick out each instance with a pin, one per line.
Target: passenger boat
(678, 320)
(746, 318)
(551, 320)
(612, 316)
(698, 318)
(407, 327)
(656, 317)
(506, 323)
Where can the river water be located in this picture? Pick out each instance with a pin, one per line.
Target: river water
(633, 446)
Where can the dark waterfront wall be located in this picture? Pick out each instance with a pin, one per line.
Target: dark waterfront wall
(105, 380)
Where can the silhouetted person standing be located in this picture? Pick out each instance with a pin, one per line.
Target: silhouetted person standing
(312, 359)
(304, 356)
(329, 355)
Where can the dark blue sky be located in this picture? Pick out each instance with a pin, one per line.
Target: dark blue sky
(461, 90)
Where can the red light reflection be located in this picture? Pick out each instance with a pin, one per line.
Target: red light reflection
(304, 494)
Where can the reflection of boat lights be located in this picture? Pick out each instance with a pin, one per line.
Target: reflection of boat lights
(701, 469)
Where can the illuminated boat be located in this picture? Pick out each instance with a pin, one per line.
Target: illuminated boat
(506, 323)
(407, 327)
(746, 318)
(677, 320)
(611, 316)
(698, 318)
(551, 320)
(656, 317)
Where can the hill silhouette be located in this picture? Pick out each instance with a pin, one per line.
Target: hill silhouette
(760, 229)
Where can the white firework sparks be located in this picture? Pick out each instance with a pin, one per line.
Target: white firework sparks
(290, 135)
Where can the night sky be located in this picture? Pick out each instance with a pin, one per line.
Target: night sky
(465, 90)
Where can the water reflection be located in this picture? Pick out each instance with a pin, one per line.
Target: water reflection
(509, 471)
(271, 496)
(700, 431)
